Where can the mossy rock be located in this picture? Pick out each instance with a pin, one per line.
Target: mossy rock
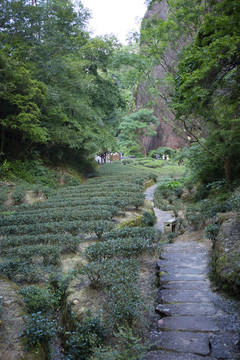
(226, 254)
(136, 221)
(149, 183)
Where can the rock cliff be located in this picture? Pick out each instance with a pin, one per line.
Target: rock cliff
(165, 135)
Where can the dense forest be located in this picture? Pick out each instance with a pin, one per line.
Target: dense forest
(66, 96)
(57, 97)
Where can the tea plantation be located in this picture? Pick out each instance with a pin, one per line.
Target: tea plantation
(82, 221)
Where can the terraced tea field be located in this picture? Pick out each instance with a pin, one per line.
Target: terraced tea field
(79, 225)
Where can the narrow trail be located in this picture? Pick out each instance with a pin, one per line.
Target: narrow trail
(162, 216)
(195, 323)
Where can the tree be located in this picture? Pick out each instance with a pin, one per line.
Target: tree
(21, 99)
(207, 94)
(66, 87)
(133, 128)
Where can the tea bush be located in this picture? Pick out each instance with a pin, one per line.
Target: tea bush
(48, 253)
(128, 347)
(66, 242)
(195, 218)
(97, 227)
(211, 231)
(67, 215)
(125, 304)
(4, 191)
(122, 248)
(148, 219)
(88, 334)
(38, 299)
(58, 284)
(153, 235)
(72, 227)
(19, 271)
(39, 332)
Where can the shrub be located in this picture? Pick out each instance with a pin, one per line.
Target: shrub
(39, 332)
(98, 227)
(48, 253)
(124, 248)
(19, 193)
(66, 242)
(148, 219)
(202, 192)
(150, 234)
(178, 192)
(4, 191)
(127, 161)
(211, 231)
(38, 299)
(125, 303)
(128, 347)
(235, 200)
(87, 335)
(58, 283)
(19, 271)
(196, 219)
(94, 271)
(138, 201)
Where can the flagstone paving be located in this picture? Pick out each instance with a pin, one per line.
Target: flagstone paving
(195, 323)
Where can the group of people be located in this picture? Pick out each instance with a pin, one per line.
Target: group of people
(164, 157)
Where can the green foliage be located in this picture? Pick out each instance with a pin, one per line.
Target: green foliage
(4, 191)
(207, 87)
(145, 233)
(163, 151)
(19, 271)
(211, 231)
(19, 193)
(58, 283)
(127, 161)
(128, 347)
(97, 227)
(148, 163)
(133, 127)
(56, 86)
(87, 335)
(38, 299)
(123, 248)
(39, 331)
(235, 200)
(66, 243)
(148, 219)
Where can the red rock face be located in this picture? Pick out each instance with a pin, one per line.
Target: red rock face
(165, 137)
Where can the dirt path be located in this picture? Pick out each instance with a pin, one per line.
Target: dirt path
(12, 322)
(195, 323)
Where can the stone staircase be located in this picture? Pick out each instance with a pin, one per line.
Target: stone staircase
(194, 323)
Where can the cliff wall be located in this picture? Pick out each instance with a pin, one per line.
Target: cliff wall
(165, 134)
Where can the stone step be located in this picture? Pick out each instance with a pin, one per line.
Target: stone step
(189, 309)
(181, 277)
(188, 323)
(162, 264)
(182, 342)
(187, 285)
(165, 355)
(184, 296)
(182, 270)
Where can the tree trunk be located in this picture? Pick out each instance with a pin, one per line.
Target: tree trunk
(2, 142)
(228, 169)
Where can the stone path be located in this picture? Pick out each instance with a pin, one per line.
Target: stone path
(194, 323)
(162, 216)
